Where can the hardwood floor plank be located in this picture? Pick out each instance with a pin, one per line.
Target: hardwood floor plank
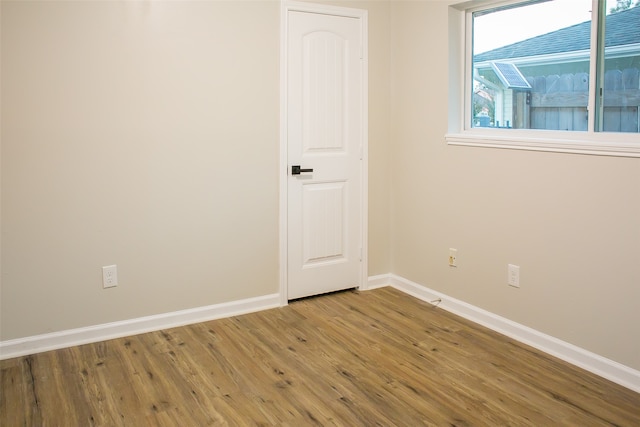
(18, 403)
(353, 358)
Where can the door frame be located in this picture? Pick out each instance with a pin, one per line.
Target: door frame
(286, 7)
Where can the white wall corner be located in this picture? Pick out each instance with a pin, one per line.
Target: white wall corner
(379, 281)
(599, 365)
(107, 331)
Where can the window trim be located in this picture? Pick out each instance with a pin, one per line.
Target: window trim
(460, 132)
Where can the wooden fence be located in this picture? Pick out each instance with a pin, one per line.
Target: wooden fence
(560, 102)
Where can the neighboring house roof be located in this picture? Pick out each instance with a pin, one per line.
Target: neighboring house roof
(623, 28)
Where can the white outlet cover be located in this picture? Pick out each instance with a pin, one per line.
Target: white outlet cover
(109, 276)
(453, 257)
(513, 275)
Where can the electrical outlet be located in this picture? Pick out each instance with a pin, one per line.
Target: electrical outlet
(453, 257)
(109, 276)
(513, 275)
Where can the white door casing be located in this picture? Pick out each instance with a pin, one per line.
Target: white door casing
(324, 122)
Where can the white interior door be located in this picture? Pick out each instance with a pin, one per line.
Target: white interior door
(325, 138)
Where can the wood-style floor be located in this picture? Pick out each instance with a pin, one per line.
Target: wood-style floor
(350, 359)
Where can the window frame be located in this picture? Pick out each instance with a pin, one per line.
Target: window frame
(460, 132)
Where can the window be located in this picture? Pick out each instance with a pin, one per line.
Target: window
(620, 111)
(559, 75)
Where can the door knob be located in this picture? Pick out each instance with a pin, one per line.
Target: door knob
(296, 170)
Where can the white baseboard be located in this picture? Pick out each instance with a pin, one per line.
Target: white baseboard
(379, 281)
(606, 368)
(90, 334)
(587, 360)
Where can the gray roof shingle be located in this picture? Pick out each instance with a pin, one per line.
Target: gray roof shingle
(622, 28)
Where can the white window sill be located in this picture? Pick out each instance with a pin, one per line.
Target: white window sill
(602, 144)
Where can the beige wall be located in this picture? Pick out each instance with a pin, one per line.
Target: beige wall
(143, 134)
(571, 222)
(146, 134)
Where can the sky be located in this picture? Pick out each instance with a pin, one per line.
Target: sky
(509, 26)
